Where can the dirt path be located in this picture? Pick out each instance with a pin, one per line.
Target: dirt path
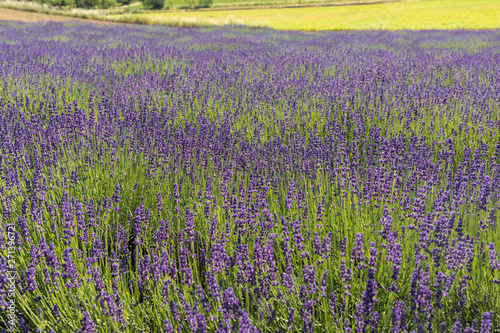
(23, 16)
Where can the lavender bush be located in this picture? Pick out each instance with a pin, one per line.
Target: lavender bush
(234, 180)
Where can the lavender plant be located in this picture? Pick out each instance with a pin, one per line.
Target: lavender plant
(233, 180)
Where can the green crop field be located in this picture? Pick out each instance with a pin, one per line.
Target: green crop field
(413, 15)
(260, 3)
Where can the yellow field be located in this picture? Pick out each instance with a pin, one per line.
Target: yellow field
(413, 15)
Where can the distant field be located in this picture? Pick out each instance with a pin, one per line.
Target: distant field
(258, 3)
(413, 15)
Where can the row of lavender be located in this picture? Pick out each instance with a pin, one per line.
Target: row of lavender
(162, 179)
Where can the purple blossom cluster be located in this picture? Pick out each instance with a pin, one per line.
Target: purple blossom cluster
(198, 180)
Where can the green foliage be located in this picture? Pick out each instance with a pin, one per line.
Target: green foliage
(196, 4)
(154, 4)
(81, 3)
(95, 3)
(204, 3)
(59, 3)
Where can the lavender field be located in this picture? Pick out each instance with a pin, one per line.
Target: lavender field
(157, 179)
